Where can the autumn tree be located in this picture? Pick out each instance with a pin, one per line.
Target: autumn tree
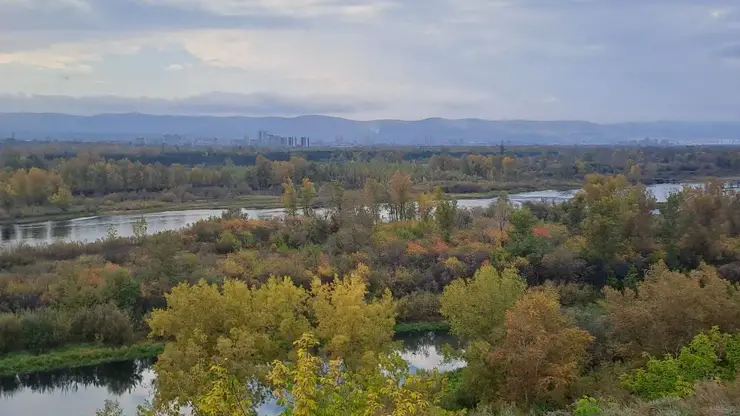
(541, 352)
(500, 210)
(290, 198)
(375, 195)
(308, 193)
(348, 325)
(400, 195)
(242, 329)
(476, 308)
(668, 309)
(425, 206)
(61, 198)
(311, 387)
(236, 327)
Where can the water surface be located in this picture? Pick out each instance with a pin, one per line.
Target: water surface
(80, 392)
(89, 229)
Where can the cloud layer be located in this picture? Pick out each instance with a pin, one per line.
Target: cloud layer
(601, 60)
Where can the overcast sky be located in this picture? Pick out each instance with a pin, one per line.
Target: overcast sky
(599, 60)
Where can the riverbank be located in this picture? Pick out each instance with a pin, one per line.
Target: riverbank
(87, 355)
(74, 357)
(149, 207)
(48, 213)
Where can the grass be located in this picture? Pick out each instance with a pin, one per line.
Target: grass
(416, 327)
(76, 356)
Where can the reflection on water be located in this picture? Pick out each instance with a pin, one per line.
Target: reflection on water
(80, 392)
(425, 351)
(93, 228)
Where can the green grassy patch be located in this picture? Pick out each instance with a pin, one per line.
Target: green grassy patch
(73, 357)
(416, 327)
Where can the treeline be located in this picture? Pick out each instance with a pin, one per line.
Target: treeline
(100, 175)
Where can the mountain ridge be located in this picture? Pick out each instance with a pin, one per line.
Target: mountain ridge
(331, 129)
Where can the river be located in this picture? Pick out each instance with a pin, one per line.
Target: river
(89, 229)
(80, 392)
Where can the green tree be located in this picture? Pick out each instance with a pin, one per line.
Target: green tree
(711, 355)
(140, 228)
(111, 408)
(476, 308)
(445, 213)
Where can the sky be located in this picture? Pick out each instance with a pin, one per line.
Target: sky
(597, 60)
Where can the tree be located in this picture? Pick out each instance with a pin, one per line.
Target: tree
(668, 309)
(308, 193)
(349, 326)
(445, 213)
(375, 195)
(400, 195)
(111, 408)
(140, 227)
(239, 328)
(242, 329)
(290, 198)
(541, 353)
(425, 203)
(710, 355)
(62, 198)
(476, 308)
(500, 210)
(311, 387)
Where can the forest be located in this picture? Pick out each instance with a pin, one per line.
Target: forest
(609, 303)
(40, 179)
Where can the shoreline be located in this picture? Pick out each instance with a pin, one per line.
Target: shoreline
(75, 356)
(274, 202)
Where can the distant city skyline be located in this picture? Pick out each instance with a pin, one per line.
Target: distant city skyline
(595, 60)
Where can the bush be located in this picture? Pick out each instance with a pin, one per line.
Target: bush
(10, 333)
(419, 307)
(44, 329)
(104, 324)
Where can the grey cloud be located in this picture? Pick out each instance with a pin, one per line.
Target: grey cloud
(730, 51)
(219, 104)
(124, 15)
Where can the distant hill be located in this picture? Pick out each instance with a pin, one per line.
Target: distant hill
(326, 129)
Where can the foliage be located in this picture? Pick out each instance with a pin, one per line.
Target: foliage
(349, 326)
(312, 388)
(241, 328)
(668, 309)
(476, 308)
(111, 408)
(711, 355)
(541, 353)
(75, 356)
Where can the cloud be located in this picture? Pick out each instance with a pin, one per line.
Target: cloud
(174, 67)
(218, 104)
(602, 60)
